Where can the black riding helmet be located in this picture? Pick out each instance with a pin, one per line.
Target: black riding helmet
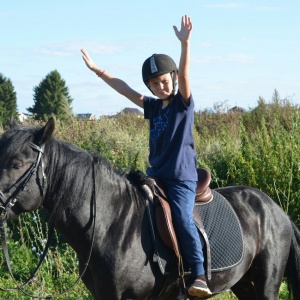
(156, 65)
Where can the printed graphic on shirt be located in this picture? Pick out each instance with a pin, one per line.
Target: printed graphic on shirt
(160, 123)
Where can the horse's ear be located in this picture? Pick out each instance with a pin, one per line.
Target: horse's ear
(45, 133)
(12, 123)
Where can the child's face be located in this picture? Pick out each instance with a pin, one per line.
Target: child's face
(161, 86)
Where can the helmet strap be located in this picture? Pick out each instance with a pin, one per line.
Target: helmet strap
(147, 85)
(174, 82)
(174, 73)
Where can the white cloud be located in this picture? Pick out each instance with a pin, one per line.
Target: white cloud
(267, 8)
(98, 48)
(239, 5)
(204, 44)
(52, 52)
(229, 5)
(5, 14)
(240, 58)
(65, 50)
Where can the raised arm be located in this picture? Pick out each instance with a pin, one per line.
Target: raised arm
(183, 72)
(117, 84)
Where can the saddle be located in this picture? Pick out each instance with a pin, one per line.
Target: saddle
(203, 191)
(163, 214)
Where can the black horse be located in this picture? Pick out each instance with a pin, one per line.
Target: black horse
(37, 169)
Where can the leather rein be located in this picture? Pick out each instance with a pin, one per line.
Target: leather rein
(7, 202)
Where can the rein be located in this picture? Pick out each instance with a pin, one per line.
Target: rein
(6, 254)
(7, 203)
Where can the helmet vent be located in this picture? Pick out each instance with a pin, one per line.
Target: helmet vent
(153, 65)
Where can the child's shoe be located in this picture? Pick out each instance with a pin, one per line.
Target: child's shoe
(199, 288)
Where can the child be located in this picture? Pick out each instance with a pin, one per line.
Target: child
(172, 156)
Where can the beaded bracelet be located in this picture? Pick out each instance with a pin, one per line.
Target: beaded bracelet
(99, 74)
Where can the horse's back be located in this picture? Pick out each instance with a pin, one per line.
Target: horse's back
(254, 199)
(267, 235)
(254, 206)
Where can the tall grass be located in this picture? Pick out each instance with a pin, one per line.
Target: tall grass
(259, 148)
(27, 238)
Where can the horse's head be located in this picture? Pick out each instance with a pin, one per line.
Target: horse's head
(22, 177)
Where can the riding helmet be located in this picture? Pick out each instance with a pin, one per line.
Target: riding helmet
(157, 64)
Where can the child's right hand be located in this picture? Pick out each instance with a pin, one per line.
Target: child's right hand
(88, 61)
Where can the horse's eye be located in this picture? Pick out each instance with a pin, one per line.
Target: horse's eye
(17, 166)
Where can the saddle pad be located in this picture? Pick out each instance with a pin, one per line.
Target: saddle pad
(224, 232)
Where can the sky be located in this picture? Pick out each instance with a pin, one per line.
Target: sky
(240, 51)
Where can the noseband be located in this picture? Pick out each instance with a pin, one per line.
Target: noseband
(20, 185)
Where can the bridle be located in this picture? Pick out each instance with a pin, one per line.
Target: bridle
(7, 202)
(20, 185)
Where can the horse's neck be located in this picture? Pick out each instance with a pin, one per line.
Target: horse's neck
(121, 240)
(118, 214)
(120, 200)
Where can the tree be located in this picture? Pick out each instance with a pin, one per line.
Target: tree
(8, 100)
(51, 98)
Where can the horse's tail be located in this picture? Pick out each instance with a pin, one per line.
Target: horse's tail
(293, 264)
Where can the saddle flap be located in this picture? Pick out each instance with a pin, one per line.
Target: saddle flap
(165, 225)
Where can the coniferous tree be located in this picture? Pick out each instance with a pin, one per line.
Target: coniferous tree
(8, 100)
(51, 98)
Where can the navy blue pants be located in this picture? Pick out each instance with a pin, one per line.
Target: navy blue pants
(182, 199)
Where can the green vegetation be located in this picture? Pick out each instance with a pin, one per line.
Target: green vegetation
(259, 148)
(51, 98)
(8, 100)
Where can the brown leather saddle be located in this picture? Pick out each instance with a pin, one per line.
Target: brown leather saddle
(163, 214)
(203, 191)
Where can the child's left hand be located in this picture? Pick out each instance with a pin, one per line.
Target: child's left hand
(186, 27)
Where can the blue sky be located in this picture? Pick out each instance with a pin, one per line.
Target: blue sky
(239, 50)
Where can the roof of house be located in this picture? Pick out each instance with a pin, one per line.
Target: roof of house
(237, 109)
(132, 111)
(86, 116)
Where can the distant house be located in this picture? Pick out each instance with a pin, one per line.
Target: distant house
(23, 117)
(130, 110)
(88, 116)
(237, 109)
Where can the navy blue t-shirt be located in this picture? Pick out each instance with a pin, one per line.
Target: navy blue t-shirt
(172, 155)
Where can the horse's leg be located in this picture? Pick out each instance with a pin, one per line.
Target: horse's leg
(244, 290)
(87, 279)
(269, 265)
(269, 270)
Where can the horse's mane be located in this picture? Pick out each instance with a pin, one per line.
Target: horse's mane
(66, 159)
(71, 173)
(68, 168)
